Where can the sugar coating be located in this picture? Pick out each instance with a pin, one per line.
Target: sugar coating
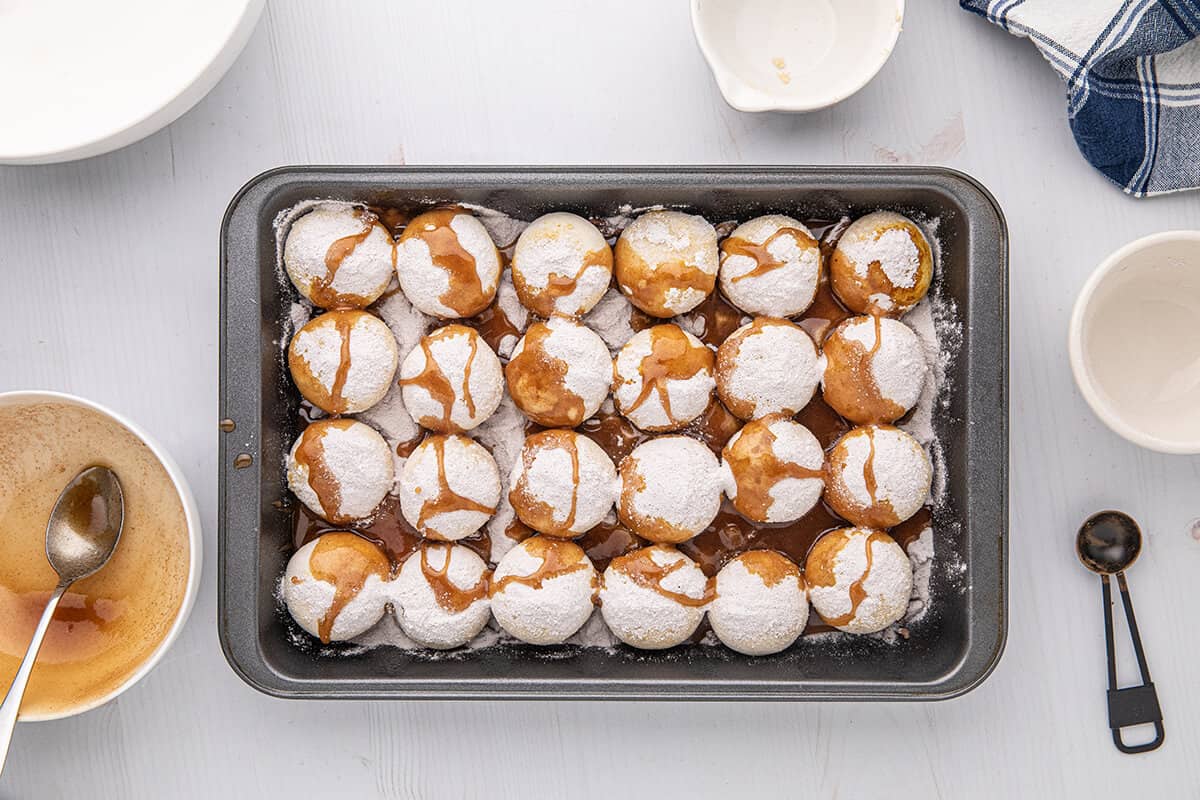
(358, 459)
(548, 614)
(791, 498)
(361, 276)
(767, 367)
(659, 238)
(559, 244)
(503, 434)
(426, 621)
(470, 473)
(424, 282)
(894, 249)
(589, 364)
(688, 398)
(373, 355)
(550, 479)
(901, 467)
(753, 618)
(612, 319)
(517, 315)
(784, 291)
(888, 585)
(452, 351)
(898, 366)
(674, 481)
(647, 619)
(308, 599)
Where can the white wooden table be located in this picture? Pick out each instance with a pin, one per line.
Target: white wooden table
(118, 255)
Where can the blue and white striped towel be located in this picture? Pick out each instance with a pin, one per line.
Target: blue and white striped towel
(1133, 81)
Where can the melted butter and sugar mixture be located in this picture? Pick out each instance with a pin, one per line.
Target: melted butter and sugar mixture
(110, 623)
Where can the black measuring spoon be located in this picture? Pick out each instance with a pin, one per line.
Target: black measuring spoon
(1107, 543)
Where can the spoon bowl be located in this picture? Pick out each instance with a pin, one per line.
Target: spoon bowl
(1108, 542)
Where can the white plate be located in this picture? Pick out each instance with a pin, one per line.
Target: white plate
(82, 77)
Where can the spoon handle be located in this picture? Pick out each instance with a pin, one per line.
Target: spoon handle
(12, 700)
(1133, 705)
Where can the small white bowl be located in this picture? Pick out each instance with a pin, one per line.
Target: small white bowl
(1134, 343)
(794, 55)
(195, 542)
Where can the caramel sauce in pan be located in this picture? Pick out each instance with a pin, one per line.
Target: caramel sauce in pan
(672, 357)
(616, 435)
(607, 541)
(447, 500)
(534, 512)
(763, 260)
(449, 595)
(536, 383)
(852, 386)
(433, 380)
(756, 469)
(407, 447)
(346, 561)
(311, 454)
(465, 295)
(640, 568)
(559, 557)
(493, 325)
(719, 317)
(322, 291)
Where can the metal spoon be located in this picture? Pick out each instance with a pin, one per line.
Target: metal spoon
(1107, 543)
(80, 537)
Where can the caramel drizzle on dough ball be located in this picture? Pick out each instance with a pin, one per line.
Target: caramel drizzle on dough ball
(346, 561)
(536, 513)
(850, 387)
(321, 289)
(558, 556)
(465, 294)
(763, 260)
(536, 382)
(825, 577)
(449, 596)
(447, 500)
(432, 379)
(771, 567)
(672, 357)
(757, 469)
(310, 453)
(643, 570)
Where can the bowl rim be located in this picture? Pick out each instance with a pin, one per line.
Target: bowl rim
(1100, 406)
(870, 69)
(195, 540)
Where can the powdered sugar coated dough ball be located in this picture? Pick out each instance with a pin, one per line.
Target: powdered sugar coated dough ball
(339, 256)
(341, 469)
(874, 369)
(770, 266)
(878, 476)
(543, 590)
(438, 604)
(343, 362)
(560, 372)
(335, 587)
(882, 265)
(768, 366)
(449, 487)
(666, 262)
(761, 603)
(561, 265)
(563, 483)
(447, 264)
(451, 381)
(859, 580)
(663, 378)
(653, 598)
(670, 489)
(775, 469)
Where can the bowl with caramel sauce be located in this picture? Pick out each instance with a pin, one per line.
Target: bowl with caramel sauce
(114, 626)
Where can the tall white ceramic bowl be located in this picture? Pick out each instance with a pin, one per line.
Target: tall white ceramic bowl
(794, 55)
(81, 77)
(195, 539)
(1134, 342)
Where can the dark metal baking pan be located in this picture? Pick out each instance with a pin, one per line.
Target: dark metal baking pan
(948, 653)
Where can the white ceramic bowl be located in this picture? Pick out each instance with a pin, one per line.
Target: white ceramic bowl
(794, 55)
(81, 77)
(195, 540)
(1135, 342)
